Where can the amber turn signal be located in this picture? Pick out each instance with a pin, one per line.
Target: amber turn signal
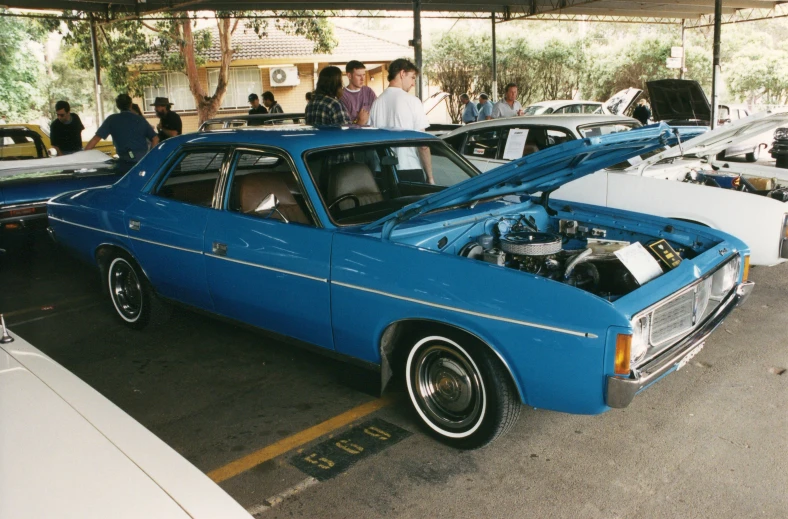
(623, 350)
(746, 272)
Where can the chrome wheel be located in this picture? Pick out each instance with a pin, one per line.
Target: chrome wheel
(446, 387)
(125, 290)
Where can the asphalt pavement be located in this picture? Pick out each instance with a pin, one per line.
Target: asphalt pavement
(708, 441)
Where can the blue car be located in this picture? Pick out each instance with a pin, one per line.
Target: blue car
(26, 184)
(388, 249)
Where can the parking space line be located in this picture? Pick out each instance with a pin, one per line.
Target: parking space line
(43, 307)
(53, 314)
(291, 442)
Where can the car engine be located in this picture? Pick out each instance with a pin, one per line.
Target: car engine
(756, 185)
(576, 255)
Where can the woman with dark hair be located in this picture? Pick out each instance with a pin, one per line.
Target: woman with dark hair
(324, 108)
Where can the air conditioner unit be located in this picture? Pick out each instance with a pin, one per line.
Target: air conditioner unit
(284, 76)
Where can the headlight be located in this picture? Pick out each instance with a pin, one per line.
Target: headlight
(724, 279)
(641, 329)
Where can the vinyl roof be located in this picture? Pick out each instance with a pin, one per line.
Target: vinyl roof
(654, 11)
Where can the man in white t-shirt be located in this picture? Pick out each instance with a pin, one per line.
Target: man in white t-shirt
(396, 108)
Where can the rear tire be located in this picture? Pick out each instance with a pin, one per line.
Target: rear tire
(460, 390)
(133, 299)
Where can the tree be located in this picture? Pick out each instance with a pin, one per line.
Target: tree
(19, 70)
(179, 47)
(455, 63)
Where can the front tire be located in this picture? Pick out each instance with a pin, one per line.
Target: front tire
(132, 297)
(460, 390)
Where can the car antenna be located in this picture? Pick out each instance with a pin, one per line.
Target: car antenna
(5, 339)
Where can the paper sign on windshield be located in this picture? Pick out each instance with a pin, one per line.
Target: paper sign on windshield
(515, 144)
(639, 262)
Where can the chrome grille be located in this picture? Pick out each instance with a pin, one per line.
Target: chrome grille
(673, 319)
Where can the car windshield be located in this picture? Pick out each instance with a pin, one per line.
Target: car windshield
(534, 109)
(360, 184)
(597, 130)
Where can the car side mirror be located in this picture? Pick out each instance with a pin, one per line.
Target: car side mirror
(270, 205)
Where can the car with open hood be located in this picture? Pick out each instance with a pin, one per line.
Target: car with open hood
(67, 451)
(27, 183)
(688, 182)
(389, 250)
(682, 102)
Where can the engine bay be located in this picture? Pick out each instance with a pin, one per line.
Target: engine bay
(574, 253)
(748, 184)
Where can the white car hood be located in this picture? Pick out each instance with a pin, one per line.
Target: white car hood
(74, 159)
(710, 143)
(66, 451)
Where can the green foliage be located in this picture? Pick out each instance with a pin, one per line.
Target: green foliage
(19, 70)
(68, 82)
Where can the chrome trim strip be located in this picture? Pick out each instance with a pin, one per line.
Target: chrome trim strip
(88, 227)
(126, 236)
(274, 269)
(164, 245)
(468, 312)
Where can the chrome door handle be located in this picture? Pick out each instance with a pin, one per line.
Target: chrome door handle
(134, 225)
(220, 249)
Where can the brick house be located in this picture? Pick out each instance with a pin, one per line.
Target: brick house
(257, 60)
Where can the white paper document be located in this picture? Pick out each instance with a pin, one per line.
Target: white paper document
(515, 143)
(639, 262)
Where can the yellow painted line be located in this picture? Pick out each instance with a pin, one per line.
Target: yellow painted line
(46, 308)
(291, 442)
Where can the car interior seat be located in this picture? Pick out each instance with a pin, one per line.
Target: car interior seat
(352, 178)
(253, 188)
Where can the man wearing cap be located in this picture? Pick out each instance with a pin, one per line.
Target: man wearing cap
(170, 123)
(257, 108)
(485, 108)
(130, 132)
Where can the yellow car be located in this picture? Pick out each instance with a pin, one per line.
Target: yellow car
(28, 149)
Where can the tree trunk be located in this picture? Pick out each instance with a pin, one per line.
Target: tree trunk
(207, 106)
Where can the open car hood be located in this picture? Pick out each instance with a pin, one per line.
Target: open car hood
(712, 142)
(621, 101)
(544, 171)
(678, 100)
(89, 158)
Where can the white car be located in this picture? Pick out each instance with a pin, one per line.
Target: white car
(487, 144)
(699, 188)
(616, 105)
(68, 452)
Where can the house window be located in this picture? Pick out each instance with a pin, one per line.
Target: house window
(242, 81)
(175, 87)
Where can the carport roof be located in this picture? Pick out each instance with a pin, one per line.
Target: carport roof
(621, 10)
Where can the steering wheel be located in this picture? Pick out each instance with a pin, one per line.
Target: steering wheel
(348, 196)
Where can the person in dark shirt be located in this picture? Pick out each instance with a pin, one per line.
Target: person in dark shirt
(170, 123)
(130, 132)
(257, 108)
(271, 104)
(65, 132)
(642, 112)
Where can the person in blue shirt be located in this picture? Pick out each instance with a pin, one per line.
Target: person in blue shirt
(130, 132)
(485, 111)
(469, 113)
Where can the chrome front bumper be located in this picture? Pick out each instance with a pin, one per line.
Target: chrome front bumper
(621, 391)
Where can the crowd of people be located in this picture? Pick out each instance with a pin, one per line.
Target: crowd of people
(131, 133)
(331, 103)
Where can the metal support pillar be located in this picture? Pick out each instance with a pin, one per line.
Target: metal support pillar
(715, 79)
(416, 43)
(97, 71)
(683, 48)
(494, 93)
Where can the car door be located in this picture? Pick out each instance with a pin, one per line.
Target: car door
(269, 268)
(167, 224)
